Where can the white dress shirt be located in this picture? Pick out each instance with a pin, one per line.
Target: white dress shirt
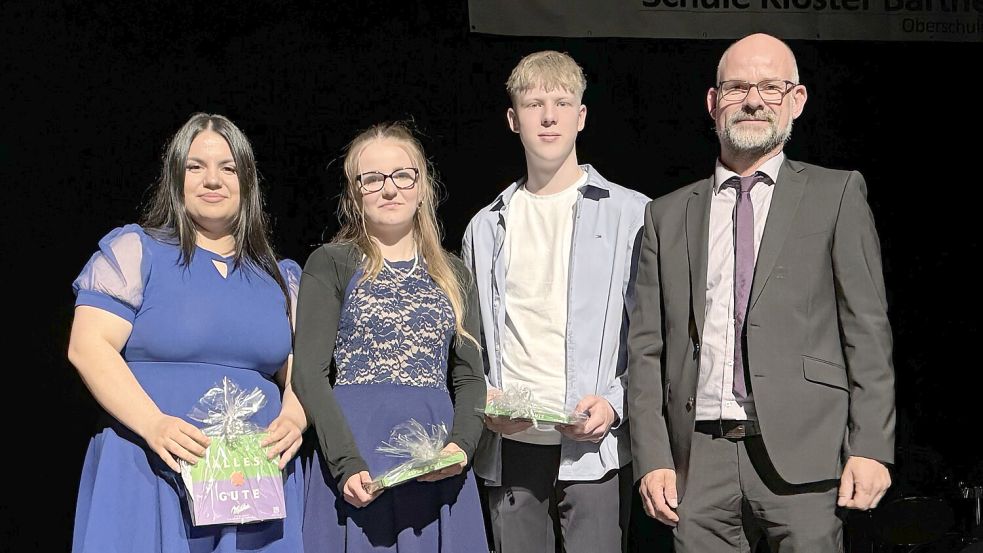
(715, 390)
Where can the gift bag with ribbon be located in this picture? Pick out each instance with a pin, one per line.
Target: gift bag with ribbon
(423, 450)
(234, 483)
(518, 403)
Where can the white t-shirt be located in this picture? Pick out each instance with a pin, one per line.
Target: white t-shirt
(538, 234)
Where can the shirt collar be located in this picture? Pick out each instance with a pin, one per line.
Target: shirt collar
(595, 188)
(771, 167)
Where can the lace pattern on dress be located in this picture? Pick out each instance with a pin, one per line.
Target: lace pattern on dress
(395, 329)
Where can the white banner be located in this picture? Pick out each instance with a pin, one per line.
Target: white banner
(935, 20)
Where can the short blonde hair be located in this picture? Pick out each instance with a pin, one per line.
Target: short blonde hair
(549, 69)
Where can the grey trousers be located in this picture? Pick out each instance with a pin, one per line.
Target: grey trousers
(533, 512)
(734, 497)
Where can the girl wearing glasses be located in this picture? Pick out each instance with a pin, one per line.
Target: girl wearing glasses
(390, 318)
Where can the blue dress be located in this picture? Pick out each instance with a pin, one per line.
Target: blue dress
(191, 327)
(391, 358)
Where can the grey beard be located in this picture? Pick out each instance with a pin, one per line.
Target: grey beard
(754, 143)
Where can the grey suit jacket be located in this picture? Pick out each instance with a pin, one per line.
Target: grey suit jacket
(818, 337)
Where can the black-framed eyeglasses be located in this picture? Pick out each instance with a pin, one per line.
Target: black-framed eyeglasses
(374, 181)
(771, 91)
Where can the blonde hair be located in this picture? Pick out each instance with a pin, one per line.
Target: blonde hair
(426, 228)
(549, 69)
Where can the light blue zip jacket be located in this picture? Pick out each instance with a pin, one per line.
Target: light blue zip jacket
(603, 259)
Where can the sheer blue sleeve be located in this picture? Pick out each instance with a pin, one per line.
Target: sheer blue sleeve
(291, 272)
(115, 276)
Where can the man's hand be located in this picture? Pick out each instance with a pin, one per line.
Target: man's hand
(601, 417)
(506, 426)
(863, 484)
(658, 490)
(502, 425)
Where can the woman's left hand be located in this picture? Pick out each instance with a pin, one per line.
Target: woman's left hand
(284, 438)
(447, 472)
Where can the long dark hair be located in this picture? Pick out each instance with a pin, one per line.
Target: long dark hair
(167, 219)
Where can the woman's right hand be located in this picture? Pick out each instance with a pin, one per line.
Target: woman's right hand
(173, 438)
(355, 493)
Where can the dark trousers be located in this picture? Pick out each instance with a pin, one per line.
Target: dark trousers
(534, 512)
(734, 497)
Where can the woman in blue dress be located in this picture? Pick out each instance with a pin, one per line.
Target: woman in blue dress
(390, 318)
(164, 311)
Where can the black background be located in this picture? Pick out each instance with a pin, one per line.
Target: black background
(92, 92)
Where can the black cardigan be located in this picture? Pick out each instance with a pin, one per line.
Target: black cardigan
(322, 288)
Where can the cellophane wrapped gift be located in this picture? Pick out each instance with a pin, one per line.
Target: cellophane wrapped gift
(517, 403)
(423, 450)
(234, 483)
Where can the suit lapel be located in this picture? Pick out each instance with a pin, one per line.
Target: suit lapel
(784, 204)
(697, 237)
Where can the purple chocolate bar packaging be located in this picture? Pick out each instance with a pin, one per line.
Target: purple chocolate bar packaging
(234, 483)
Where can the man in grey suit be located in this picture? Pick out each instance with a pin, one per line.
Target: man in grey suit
(761, 386)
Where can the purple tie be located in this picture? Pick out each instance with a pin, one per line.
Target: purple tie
(743, 269)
